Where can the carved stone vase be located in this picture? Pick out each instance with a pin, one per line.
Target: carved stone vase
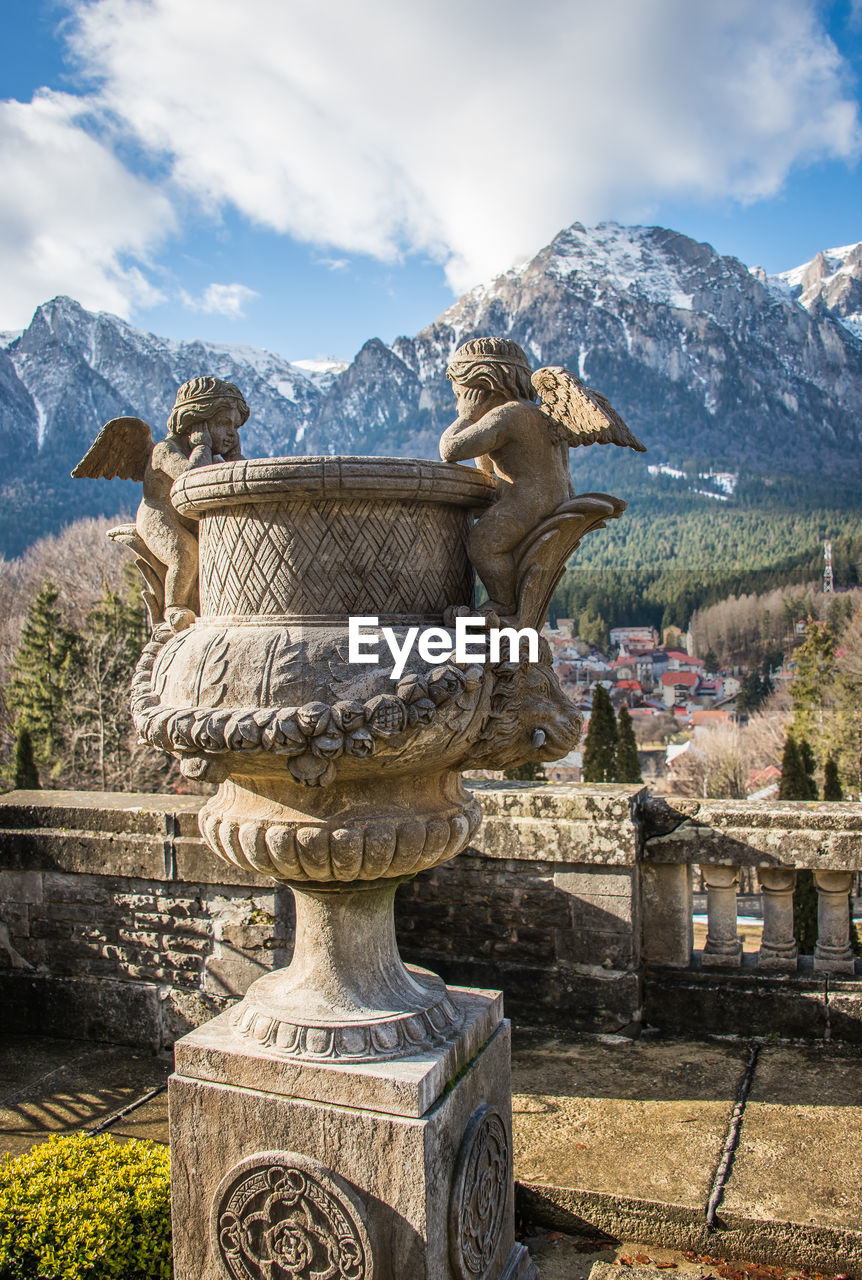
(334, 778)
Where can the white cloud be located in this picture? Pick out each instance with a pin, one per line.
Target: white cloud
(73, 219)
(468, 133)
(221, 299)
(472, 132)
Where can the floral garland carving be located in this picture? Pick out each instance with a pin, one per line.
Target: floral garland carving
(311, 737)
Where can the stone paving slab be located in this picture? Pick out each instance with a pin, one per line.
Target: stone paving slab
(63, 1086)
(620, 1117)
(599, 1147)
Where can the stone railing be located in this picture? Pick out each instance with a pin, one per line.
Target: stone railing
(776, 839)
(789, 992)
(117, 923)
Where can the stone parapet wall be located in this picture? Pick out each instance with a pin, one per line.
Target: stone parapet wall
(117, 923)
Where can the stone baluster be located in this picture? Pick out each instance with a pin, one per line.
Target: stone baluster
(723, 946)
(833, 953)
(778, 949)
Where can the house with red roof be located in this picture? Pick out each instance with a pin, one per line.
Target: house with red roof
(678, 686)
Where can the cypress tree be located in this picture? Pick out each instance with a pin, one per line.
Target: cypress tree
(600, 748)
(42, 672)
(628, 765)
(809, 764)
(795, 783)
(26, 774)
(832, 789)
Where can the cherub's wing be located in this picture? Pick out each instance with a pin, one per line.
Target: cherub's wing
(122, 448)
(583, 416)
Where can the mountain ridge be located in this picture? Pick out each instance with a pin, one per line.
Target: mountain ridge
(718, 367)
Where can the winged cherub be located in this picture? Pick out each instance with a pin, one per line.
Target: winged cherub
(203, 426)
(525, 446)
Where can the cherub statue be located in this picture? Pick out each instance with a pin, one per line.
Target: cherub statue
(525, 446)
(203, 426)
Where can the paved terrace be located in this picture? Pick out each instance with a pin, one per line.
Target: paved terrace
(666, 1098)
(618, 1143)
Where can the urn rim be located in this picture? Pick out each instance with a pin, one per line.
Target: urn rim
(316, 479)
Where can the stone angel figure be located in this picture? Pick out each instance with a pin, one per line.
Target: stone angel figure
(520, 545)
(203, 427)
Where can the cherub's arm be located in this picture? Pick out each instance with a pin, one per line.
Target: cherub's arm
(202, 447)
(169, 458)
(466, 439)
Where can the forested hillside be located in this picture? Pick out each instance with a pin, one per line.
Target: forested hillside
(656, 569)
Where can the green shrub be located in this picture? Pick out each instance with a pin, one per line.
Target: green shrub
(86, 1208)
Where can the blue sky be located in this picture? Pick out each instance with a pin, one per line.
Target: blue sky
(305, 176)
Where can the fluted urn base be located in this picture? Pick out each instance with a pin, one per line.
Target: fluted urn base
(363, 829)
(347, 996)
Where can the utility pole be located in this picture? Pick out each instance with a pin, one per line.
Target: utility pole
(828, 586)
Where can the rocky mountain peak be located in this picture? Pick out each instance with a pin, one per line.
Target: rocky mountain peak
(830, 282)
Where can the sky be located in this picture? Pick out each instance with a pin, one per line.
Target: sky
(306, 174)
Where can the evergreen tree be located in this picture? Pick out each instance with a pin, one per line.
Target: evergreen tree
(42, 673)
(809, 764)
(628, 766)
(805, 912)
(795, 783)
(26, 775)
(832, 789)
(109, 649)
(814, 667)
(600, 748)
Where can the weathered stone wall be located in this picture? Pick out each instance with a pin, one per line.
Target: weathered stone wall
(117, 923)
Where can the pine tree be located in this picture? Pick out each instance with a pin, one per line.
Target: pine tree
(628, 766)
(832, 789)
(42, 672)
(26, 774)
(600, 748)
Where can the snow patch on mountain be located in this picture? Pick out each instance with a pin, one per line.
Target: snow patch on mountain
(628, 259)
(831, 280)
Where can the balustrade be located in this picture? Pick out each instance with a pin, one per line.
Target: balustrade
(778, 949)
(722, 946)
(833, 953)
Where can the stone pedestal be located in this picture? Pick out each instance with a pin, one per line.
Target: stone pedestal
(385, 1170)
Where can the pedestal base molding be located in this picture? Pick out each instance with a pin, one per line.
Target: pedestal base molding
(427, 1196)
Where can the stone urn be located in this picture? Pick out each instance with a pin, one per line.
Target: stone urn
(335, 778)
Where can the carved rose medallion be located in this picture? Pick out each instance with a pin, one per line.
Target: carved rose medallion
(479, 1193)
(278, 1216)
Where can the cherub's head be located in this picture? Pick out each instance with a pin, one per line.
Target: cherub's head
(209, 401)
(489, 367)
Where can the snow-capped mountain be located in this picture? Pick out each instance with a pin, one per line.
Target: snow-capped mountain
(718, 368)
(71, 370)
(832, 280)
